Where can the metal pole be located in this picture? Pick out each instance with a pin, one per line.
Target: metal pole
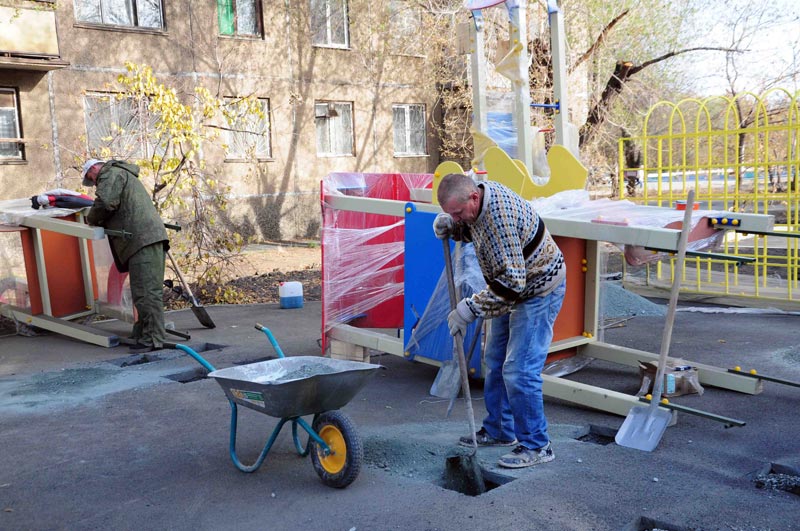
(478, 74)
(518, 33)
(558, 49)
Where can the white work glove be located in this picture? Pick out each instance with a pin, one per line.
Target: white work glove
(459, 318)
(443, 226)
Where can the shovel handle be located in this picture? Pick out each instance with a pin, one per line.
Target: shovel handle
(185, 286)
(666, 338)
(458, 341)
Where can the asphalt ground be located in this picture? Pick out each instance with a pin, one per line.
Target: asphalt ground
(91, 441)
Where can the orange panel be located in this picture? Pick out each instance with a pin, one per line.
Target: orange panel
(62, 260)
(570, 320)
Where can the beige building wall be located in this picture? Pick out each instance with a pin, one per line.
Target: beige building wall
(276, 198)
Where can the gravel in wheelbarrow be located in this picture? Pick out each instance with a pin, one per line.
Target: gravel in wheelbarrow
(294, 386)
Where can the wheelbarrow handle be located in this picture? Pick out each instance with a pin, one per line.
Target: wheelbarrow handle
(271, 338)
(198, 358)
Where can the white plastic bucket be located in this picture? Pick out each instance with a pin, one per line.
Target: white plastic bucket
(291, 294)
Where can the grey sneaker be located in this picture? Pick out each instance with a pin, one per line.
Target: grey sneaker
(484, 439)
(520, 457)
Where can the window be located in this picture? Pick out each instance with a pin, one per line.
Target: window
(239, 17)
(10, 126)
(249, 136)
(334, 121)
(329, 24)
(133, 13)
(119, 128)
(406, 28)
(409, 129)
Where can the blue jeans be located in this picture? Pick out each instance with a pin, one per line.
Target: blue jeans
(516, 350)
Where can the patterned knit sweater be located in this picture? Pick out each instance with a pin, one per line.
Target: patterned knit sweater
(518, 257)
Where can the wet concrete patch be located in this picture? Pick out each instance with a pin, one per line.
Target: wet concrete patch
(790, 355)
(418, 452)
(61, 382)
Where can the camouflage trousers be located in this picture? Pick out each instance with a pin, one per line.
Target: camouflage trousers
(146, 268)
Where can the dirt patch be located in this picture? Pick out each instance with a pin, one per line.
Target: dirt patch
(260, 271)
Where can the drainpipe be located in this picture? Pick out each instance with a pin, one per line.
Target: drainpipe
(54, 129)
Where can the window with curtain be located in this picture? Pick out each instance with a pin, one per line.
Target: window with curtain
(334, 122)
(249, 134)
(239, 17)
(409, 129)
(329, 23)
(122, 126)
(10, 125)
(133, 13)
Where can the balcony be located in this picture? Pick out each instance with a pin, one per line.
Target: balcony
(29, 39)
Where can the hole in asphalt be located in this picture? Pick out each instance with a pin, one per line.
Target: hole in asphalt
(423, 460)
(601, 435)
(135, 359)
(777, 476)
(257, 360)
(644, 523)
(189, 376)
(161, 355)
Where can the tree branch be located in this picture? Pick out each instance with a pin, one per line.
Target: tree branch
(598, 41)
(622, 72)
(676, 53)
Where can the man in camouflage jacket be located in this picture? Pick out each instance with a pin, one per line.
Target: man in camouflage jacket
(123, 204)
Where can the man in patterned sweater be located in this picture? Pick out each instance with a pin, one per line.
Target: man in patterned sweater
(526, 282)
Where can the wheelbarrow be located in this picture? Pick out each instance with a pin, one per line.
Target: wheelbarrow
(290, 388)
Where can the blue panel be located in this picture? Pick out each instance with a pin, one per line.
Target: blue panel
(424, 265)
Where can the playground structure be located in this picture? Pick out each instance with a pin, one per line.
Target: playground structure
(383, 287)
(60, 274)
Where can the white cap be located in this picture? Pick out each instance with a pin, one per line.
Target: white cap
(86, 167)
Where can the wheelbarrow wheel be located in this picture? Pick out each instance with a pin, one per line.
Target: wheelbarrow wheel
(341, 467)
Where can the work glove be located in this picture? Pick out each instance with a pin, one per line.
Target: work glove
(443, 226)
(459, 318)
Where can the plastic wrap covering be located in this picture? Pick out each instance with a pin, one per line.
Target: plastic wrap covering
(13, 282)
(427, 338)
(362, 253)
(113, 288)
(575, 204)
(500, 123)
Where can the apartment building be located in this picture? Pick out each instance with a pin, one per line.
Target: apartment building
(343, 86)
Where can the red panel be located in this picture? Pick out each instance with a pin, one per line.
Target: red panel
(388, 313)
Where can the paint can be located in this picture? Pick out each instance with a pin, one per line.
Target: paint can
(291, 294)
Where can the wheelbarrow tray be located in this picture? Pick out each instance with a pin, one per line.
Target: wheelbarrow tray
(295, 386)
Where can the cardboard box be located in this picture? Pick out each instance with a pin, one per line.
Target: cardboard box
(679, 379)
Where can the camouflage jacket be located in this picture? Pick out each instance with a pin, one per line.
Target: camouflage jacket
(122, 203)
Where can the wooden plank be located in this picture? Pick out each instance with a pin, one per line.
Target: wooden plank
(708, 374)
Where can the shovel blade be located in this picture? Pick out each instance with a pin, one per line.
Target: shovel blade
(643, 428)
(203, 317)
(448, 381)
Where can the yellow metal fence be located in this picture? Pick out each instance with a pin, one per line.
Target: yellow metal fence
(740, 155)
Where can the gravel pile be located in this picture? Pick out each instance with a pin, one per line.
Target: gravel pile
(616, 301)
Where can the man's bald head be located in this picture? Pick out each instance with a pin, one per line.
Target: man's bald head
(455, 186)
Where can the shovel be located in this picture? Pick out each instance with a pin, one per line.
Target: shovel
(197, 308)
(645, 425)
(462, 472)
